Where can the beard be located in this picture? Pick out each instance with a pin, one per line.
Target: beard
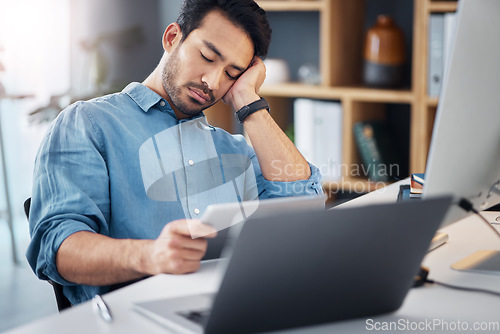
(191, 107)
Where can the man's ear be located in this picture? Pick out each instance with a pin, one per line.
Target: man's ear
(171, 37)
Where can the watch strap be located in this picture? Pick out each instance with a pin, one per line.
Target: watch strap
(251, 108)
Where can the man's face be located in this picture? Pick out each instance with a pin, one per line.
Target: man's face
(200, 70)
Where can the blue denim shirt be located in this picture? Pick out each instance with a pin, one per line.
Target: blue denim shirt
(123, 166)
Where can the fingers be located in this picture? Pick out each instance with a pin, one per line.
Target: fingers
(180, 246)
(197, 229)
(185, 254)
(177, 242)
(257, 61)
(182, 266)
(192, 228)
(260, 68)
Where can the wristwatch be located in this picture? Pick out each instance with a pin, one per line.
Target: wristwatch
(251, 108)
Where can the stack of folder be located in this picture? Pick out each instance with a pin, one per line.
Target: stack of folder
(417, 184)
(414, 189)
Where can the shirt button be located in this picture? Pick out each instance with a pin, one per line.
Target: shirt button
(162, 103)
(197, 211)
(191, 162)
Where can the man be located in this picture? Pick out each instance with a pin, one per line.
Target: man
(121, 181)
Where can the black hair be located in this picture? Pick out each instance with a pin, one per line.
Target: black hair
(245, 14)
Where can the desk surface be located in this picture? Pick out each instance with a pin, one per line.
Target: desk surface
(428, 308)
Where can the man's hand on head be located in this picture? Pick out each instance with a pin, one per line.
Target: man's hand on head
(245, 89)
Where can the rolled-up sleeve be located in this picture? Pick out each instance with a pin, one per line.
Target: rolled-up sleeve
(70, 188)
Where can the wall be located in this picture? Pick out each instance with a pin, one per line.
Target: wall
(128, 57)
(41, 43)
(35, 39)
(169, 10)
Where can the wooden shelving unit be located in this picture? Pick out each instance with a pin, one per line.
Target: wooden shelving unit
(341, 30)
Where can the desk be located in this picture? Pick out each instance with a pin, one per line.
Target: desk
(422, 306)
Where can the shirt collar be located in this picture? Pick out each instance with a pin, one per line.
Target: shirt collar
(142, 95)
(147, 98)
(199, 121)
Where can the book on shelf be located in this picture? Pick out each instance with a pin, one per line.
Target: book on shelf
(441, 35)
(318, 135)
(303, 123)
(436, 54)
(378, 154)
(449, 35)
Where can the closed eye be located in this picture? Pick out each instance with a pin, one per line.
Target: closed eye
(231, 77)
(206, 59)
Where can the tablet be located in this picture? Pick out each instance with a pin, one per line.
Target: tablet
(226, 217)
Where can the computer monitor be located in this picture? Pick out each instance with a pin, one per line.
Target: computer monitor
(464, 156)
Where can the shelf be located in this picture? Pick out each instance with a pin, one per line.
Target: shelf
(292, 90)
(291, 5)
(300, 90)
(442, 6)
(432, 101)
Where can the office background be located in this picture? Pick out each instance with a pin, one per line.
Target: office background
(57, 51)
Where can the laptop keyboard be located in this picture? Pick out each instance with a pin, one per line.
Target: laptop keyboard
(197, 316)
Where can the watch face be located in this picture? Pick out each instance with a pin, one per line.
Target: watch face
(242, 113)
(251, 108)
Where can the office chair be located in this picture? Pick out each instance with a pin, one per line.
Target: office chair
(62, 302)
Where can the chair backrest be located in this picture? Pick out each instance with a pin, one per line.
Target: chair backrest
(62, 302)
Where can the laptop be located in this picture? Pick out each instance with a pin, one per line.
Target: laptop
(227, 218)
(311, 267)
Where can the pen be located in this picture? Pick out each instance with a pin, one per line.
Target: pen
(102, 308)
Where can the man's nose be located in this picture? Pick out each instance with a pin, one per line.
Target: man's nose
(212, 79)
